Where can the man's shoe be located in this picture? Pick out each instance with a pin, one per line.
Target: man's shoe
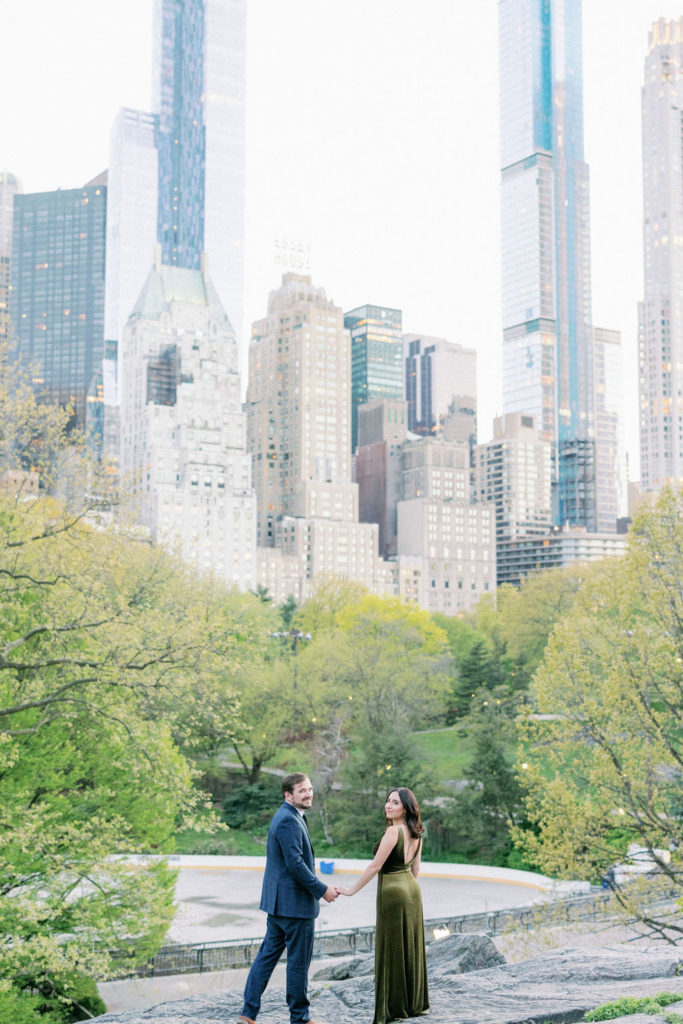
(244, 1020)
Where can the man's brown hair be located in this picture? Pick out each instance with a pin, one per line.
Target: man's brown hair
(290, 781)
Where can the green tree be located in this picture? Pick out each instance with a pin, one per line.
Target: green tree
(112, 658)
(476, 821)
(605, 759)
(269, 713)
(287, 611)
(331, 597)
(527, 616)
(381, 675)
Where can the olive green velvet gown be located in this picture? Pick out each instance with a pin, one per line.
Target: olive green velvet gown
(400, 961)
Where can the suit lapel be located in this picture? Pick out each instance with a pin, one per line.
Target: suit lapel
(304, 828)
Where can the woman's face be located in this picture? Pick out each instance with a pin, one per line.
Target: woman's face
(393, 808)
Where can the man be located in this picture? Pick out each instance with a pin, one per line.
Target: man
(290, 896)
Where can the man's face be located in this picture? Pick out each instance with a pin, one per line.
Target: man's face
(301, 796)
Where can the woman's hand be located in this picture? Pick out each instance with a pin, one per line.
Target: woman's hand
(344, 890)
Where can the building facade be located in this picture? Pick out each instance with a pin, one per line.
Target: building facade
(661, 321)
(439, 375)
(610, 462)
(514, 472)
(450, 542)
(131, 214)
(545, 228)
(57, 299)
(382, 429)
(298, 415)
(10, 186)
(199, 98)
(183, 451)
(376, 357)
(561, 547)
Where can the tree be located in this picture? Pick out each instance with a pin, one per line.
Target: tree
(268, 713)
(381, 675)
(476, 821)
(113, 658)
(605, 764)
(321, 612)
(527, 616)
(287, 611)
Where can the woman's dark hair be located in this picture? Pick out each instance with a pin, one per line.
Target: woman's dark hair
(412, 809)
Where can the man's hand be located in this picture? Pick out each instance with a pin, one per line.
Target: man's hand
(330, 894)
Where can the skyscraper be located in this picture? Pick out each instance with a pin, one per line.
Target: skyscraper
(298, 408)
(661, 327)
(513, 471)
(199, 97)
(438, 373)
(10, 186)
(545, 227)
(131, 214)
(298, 413)
(183, 443)
(610, 462)
(376, 357)
(57, 301)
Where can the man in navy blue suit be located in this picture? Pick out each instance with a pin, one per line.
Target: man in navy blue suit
(291, 897)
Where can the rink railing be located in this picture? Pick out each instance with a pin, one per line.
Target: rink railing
(229, 954)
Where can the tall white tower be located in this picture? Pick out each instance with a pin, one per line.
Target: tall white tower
(183, 431)
(661, 331)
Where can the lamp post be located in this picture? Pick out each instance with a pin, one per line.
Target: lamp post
(296, 636)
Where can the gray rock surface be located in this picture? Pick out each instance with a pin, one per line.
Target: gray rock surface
(454, 954)
(557, 988)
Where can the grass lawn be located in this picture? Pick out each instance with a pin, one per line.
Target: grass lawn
(448, 750)
(234, 843)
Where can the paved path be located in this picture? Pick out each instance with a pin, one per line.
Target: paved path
(219, 897)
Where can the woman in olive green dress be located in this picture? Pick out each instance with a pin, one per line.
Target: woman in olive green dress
(400, 962)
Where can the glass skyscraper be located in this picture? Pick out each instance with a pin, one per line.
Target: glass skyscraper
(545, 224)
(10, 186)
(199, 97)
(57, 300)
(376, 357)
(132, 189)
(661, 320)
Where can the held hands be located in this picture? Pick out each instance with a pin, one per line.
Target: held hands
(333, 891)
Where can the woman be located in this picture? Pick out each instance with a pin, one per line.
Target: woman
(400, 962)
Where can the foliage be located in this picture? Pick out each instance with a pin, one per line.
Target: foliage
(476, 821)
(627, 1005)
(527, 616)
(75, 999)
(320, 614)
(611, 682)
(250, 806)
(268, 712)
(116, 668)
(287, 611)
(375, 679)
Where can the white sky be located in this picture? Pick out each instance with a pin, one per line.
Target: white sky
(372, 134)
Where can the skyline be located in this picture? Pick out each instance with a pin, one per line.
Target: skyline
(376, 162)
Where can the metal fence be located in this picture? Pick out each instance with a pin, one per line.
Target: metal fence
(233, 953)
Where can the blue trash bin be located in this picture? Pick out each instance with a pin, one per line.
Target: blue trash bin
(326, 867)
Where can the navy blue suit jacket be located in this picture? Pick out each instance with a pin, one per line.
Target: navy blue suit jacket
(290, 885)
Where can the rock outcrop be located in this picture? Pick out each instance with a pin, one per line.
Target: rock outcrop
(469, 984)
